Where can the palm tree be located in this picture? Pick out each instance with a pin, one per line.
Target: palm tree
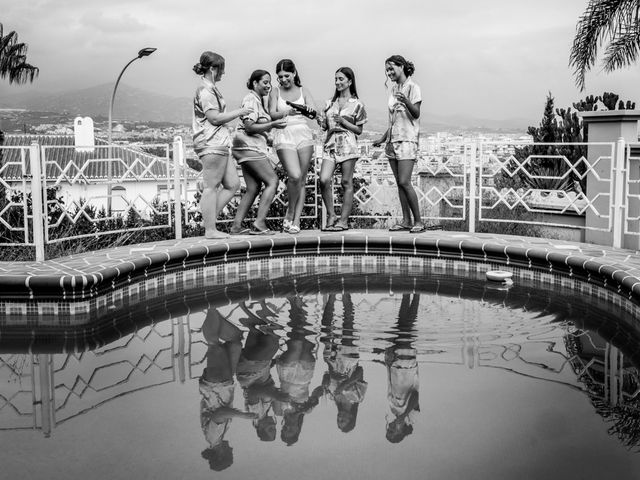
(614, 22)
(13, 59)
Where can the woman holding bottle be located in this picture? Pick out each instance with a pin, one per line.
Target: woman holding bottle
(402, 138)
(294, 143)
(344, 116)
(249, 148)
(211, 142)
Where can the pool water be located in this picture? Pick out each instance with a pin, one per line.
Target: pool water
(345, 376)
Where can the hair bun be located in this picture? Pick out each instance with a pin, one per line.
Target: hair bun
(410, 68)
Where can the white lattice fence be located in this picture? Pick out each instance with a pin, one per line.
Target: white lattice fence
(547, 184)
(105, 189)
(440, 181)
(16, 220)
(631, 194)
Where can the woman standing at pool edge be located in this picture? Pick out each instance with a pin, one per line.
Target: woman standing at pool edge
(250, 151)
(212, 140)
(294, 143)
(402, 138)
(343, 118)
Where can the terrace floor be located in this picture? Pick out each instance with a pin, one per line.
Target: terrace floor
(89, 263)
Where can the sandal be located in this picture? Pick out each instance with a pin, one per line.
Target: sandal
(257, 231)
(398, 227)
(242, 231)
(333, 228)
(293, 229)
(418, 228)
(286, 225)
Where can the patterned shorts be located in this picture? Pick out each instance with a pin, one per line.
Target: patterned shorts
(402, 151)
(341, 146)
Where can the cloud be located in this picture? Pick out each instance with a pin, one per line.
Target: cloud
(112, 24)
(495, 58)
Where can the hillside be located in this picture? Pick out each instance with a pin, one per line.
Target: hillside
(133, 104)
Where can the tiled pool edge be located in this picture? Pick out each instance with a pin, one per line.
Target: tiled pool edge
(604, 271)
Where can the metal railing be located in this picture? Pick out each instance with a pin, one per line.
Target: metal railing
(56, 193)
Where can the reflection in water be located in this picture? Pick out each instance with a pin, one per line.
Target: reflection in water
(254, 371)
(217, 387)
(402, 370)
(344, 380)
(373, 346)
(295, 370)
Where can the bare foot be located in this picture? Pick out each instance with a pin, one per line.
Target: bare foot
(215, 235)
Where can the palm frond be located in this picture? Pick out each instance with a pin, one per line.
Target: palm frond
(13, 59)
(22, 73)
(602, 20)
(623, 50)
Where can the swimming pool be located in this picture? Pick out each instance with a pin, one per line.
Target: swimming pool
(446, 374)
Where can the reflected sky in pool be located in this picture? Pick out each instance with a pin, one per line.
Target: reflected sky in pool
(500, 384)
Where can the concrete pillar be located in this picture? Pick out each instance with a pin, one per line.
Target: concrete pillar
(607, 126)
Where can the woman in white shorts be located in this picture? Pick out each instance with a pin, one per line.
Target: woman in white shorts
(294, 143)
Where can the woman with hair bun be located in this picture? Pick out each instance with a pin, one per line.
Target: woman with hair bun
(344, 116)
(294, 143)
(212, 142)
(402, 138)
(249, 148)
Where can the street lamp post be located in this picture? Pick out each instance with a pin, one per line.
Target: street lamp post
(145, 52)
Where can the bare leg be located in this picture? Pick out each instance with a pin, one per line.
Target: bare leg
(214, 168)
(404, 203)
(347, 167)
(264, 173)
(253, 187)
(405, 169)
(304, 155)
(291, 164)
(326, 188)
(230, 185)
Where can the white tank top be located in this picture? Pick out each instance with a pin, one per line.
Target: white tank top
(295, 116)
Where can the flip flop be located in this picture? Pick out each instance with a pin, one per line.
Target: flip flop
(418, 228)
(398, 227)
(293, 230)
(243, 231)
(333, 228)
(217, 236)
(256, 231)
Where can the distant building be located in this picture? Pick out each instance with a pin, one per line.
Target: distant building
(82, 173)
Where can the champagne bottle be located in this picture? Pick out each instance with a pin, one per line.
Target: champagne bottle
(303, 109)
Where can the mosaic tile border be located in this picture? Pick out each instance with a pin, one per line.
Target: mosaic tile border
(244, 279)
(141, 265)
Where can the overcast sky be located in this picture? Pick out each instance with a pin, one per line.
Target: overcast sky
(491, 59)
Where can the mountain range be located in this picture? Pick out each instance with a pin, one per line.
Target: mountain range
(135, 104)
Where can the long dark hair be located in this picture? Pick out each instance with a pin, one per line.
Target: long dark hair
(208, 60)
(256, 76)
(347, 72)
(287, 65)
